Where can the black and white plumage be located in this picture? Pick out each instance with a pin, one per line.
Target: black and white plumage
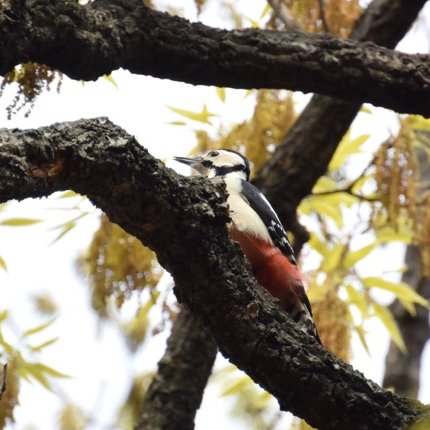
(257, 228)
(264, 210)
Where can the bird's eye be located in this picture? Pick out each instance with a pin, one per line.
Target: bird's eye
(213, 153)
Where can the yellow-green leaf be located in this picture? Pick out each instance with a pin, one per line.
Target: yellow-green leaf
(419, 122)
(354, 256)
(253, 22)
(409, 306)
(400, 289)
(110, 79)
(220, 92)
(324, 184)
(390, 324)
(49, 342)
(316, 204)
(265, 11)
(6, 345)
(177, 123)
(137, 328)
(319, 245)
(65, 229)
(3, 264)
(362, 336)
(360, 182)
(358, 299)
(389, 234)
(20, 222)
(332, 260)
(339, 198)
(346, 148)
(67, 194)
(27, 372)
(365, 109)
(248, 93)
(236, 386)
(38, 328)
(202, 116)
(3, 315)
(49, 370)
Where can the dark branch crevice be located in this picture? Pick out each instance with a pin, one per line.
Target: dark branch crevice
(178, 217)
(86, 42)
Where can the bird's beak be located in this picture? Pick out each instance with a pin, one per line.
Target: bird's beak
(195, 163)
(189, 161)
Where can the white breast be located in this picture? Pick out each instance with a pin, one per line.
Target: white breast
(244, 218)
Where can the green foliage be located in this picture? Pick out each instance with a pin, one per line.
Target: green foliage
(129, 412)
(3, 264)
(19, 222)
(71, 417)
(339, 15)
(203, 116)
(136, 329)
(258, 136)
(250, 402)
(32, 79)
(337, 199)
(19, 367)
(118, 264)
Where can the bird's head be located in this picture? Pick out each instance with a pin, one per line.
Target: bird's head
(219, 162)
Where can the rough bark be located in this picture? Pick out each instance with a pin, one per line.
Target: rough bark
(384, 22)
(88, 41)
(176, 392)
(180, 217)
(303, 157)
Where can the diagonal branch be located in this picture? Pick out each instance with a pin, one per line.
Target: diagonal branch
(384, 22)
(88, 41)
(176, 391)
(184, 219)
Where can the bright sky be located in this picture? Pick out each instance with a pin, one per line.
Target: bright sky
(95, 354)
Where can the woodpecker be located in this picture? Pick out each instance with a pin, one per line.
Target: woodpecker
(257, 228)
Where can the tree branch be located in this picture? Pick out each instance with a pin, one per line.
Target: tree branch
(181, 217)
(303, 157)
(176, 391)
(386, 25)
(88, 41)
(3, 385)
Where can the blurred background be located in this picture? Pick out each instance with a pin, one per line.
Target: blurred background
(85, 309)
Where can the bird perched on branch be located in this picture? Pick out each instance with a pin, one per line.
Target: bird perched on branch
(259, 232)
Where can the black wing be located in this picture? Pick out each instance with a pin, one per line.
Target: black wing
(260, 204)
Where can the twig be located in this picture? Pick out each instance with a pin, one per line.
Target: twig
(322, 16)
(283, 13)
(350, 186)
(3, 385)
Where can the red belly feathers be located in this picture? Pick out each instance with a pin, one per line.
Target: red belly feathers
(272, 270)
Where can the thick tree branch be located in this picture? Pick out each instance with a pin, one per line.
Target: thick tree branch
(176, 392)
(177, 217)
(384, 22)
(303, 157)
(88, 41)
